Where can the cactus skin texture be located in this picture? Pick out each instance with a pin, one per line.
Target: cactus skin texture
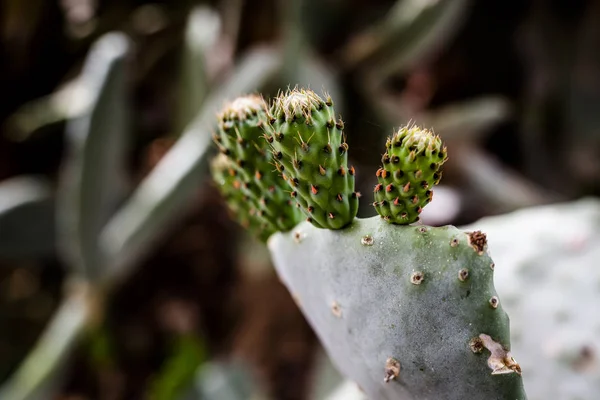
(309, 146)
(240, 138)
(411, 167)
(241, 210)
(406, 312)
(549, 281)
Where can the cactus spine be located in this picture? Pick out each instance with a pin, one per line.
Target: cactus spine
(311, 153)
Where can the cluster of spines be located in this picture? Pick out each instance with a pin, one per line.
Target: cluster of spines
(411, 167)
(240, 138)
(311, 154)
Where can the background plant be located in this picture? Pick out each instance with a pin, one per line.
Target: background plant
(506, 94)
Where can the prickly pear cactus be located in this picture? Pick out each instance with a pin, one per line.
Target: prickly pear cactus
(407, 312)
(548, 277)
(225, 177)
(240, 138)
(310, 151)
(411, 167)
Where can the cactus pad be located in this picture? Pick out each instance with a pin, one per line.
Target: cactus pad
(240, 138)
(411, 167)
(312, 155)
(240, 208)
(405, 312)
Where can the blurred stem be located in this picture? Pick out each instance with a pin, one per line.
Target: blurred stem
(496, 184)
(231, 10)
(293, 38)
(46, 361)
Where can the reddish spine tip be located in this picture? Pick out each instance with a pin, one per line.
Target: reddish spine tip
(314, 189)
(389, 188)
(378, 187)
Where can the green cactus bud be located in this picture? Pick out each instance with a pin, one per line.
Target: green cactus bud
(411, 167)
(240, 207)
(405, 312)
(311, 152)
(240, 138)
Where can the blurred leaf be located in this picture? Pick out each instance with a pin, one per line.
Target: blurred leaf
(31, 118)
(466, 120)
(92, 180)
(27, 225)
(171, 185)
(39, 374)
(201, 35)
(412, 30)
(224, 381)
(347, 390)
(325, 378)
(500, 187)
(178, 371)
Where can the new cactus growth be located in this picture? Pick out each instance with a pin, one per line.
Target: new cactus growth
(311, 152)
(240, 138)
(407, 312)
(411, 167)
(244, 212)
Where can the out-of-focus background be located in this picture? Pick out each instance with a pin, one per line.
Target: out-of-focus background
(121, 274)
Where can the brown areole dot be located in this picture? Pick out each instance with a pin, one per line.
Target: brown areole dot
(494, 302)
(416, 277)
(478, 241)
(336, 309)
(476, 345)
(392, 369)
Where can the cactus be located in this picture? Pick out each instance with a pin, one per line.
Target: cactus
(411, 166)
(226, 178)
(407, 312)
(312, 154)
(240, 137)
(549, 282)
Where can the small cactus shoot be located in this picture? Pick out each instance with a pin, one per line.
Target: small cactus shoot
(240, 138)
(411, 167)
(311, 152)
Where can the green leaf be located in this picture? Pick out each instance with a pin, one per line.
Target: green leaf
(172, 184)
(201, 35)
(91, 183)
(412, 30)
(178, 371)
(26, 218)
(230, 380)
